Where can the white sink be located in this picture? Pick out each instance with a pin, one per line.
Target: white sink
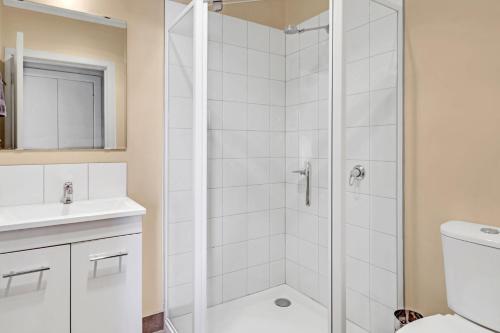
(44, 215)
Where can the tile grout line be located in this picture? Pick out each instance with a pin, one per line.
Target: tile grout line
(317, 166)
(269, 165)
(285, 279)
(222, 164)
(370, 210)
(246, 157)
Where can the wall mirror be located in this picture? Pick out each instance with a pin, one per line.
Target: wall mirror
(63, 78)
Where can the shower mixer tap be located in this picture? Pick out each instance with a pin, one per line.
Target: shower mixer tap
(307, 173)
(357, 174)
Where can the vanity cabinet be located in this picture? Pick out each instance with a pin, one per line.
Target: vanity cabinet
(35, 290)
(105, 285)
(75, 275)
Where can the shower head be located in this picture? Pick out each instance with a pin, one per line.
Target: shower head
(293, 29)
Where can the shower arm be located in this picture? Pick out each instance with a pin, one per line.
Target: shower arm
(326, 27)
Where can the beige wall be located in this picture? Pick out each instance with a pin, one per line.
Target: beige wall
(275, 13)
(452, 132)
(50, 33)
(145, 128)
(267, 12)
(298, 11)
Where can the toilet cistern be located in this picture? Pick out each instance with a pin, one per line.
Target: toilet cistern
(67, 193)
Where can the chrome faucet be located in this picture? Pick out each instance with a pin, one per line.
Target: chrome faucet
(68, 193)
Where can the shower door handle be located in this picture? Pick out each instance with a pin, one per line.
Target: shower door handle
(307, 173)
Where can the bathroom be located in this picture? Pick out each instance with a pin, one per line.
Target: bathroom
(228, 166)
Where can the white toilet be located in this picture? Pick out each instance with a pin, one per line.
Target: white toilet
(472, 267)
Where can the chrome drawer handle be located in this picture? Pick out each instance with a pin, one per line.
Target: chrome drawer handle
(26, 272)
(95, 258)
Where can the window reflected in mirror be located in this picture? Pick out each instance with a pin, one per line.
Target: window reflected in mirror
(63, 78)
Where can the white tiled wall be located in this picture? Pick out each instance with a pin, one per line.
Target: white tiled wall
(38, 184)
(371, 140)
(246, 158)
(307, 140)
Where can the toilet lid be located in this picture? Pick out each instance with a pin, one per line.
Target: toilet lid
(443, 324)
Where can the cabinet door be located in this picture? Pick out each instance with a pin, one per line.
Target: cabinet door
(34, 291)
(106, 285)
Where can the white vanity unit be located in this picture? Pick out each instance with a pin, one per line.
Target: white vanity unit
(71, 267)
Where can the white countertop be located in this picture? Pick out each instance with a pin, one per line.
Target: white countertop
(45, 215)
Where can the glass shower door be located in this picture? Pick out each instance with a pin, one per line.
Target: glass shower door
(186, 169)
(372, 164)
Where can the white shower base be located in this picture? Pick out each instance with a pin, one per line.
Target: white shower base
(258, 314)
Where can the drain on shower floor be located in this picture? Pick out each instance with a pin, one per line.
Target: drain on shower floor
(282, 302)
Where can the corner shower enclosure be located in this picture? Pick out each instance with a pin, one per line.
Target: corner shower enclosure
(260, 150)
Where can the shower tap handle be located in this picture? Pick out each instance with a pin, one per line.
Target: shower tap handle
(358, 173)
(301, 172)
(307, 173)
